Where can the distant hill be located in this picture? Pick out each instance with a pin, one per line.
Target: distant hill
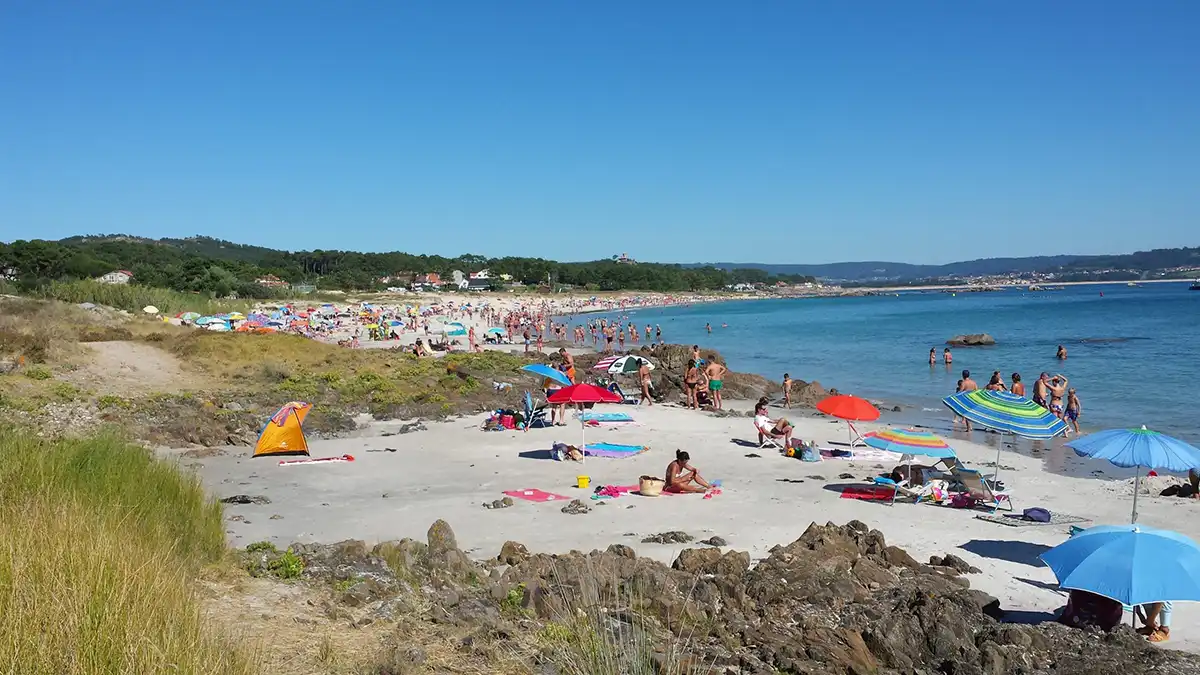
(878, 271)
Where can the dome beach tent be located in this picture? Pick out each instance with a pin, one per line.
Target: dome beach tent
(283, 435)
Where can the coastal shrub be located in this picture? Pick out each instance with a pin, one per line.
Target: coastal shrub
(102, 542)
(38, 373)
(287, 566)
(133, 297)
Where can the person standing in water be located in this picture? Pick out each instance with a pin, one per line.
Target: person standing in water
(658, 333)
(1062, 353)
(947, 358)
(1018, 387)
(714, 372)
(1074, 407)
(932, 355)
(967, 384)
(787, 390)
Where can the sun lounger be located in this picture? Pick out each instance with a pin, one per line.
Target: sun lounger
(535, 415)
(901, 490)
(979, 489)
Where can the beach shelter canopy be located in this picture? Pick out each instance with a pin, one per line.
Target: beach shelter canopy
(628, 364)
(849, 408)
(605, 363)
(909, 442)
(1005, 411)
(283, 434)
(1140, 448)
(548, 372)
(1132, 564)
(494, 331)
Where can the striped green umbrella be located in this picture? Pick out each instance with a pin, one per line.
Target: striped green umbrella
(1005, 411)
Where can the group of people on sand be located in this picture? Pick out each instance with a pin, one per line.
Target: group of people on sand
(703, 381)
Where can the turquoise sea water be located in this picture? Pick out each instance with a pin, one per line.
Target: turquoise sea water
(1133, 352)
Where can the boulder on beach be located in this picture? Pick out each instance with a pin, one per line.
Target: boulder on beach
(972, 340)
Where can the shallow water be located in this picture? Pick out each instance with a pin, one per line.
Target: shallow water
(1132, 351)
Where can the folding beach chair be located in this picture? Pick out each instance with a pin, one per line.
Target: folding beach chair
(766, 439)
(981, 491)
(534, 415)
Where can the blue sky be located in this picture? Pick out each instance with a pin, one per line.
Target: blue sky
(674, 131)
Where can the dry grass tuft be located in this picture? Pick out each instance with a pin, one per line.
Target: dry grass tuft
(100, 546)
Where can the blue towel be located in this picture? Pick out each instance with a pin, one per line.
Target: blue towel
(606, 417)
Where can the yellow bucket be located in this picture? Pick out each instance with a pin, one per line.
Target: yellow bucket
(582, 482)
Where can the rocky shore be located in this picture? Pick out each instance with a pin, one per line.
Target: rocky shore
(839, 599)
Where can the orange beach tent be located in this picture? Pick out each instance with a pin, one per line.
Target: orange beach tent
(284, 432)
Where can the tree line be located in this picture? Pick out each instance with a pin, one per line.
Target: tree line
(219, 268)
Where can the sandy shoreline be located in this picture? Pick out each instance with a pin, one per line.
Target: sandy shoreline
(400, 483)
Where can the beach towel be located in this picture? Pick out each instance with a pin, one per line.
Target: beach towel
(869, 493)
(860, 454)
(535, 495)
(605, 417)
(613, 450)
(1018, 519)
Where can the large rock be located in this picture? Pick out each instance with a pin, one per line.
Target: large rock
(972, 340)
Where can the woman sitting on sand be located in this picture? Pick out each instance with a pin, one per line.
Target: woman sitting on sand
(682, 477)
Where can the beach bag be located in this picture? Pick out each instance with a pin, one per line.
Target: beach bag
(649, 486)
(1036, 514)
(962, 500)
(809, 453)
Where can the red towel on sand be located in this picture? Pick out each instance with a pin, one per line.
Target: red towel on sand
(870, 493)
(535, 495)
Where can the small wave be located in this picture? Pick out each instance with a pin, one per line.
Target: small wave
(1108, 340)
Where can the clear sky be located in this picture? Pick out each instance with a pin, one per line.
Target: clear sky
(679, 131)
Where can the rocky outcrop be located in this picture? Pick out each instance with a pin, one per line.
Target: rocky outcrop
(837, 600)
(972, 340)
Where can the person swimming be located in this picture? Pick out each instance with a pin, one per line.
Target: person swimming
(683, 477)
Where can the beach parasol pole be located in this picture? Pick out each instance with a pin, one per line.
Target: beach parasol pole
(1137, 479)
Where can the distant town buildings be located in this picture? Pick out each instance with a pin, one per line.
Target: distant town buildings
(116, 277)
(624, 259)
(271, 281)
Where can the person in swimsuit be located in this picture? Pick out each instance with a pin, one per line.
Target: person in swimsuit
(967, 384)
(996, 384)
(946, 356)
(658, 333)
(787, 390)
(608, 339)
(568, 362)
(708, 327)
(714, 372)
(644, 381)
(1073, 409)
(683, 477)
(1061, 355)
(647, 332)
(691, 380)
(1058, 389)
(696, 354)
(621, 340)
(1018, 387)
(1040, 389)
(932, 356)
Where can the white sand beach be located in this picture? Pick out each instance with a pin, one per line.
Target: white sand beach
(400, 483)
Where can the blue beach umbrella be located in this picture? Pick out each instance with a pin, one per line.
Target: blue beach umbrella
(548, 373)
(1138, 448)
(495, 331)
(1132, 564)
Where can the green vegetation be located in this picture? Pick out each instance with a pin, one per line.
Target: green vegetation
(102, 543)
(133, 297)
(287, 566)
(215, 269)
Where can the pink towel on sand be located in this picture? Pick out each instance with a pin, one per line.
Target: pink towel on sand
(535, 495)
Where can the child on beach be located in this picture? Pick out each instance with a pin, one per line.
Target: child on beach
(1073, 409)
(787, 390)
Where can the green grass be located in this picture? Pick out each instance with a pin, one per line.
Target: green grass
(101, 543)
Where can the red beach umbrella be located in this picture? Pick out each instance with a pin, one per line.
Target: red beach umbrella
(583, 393)
(849, 408)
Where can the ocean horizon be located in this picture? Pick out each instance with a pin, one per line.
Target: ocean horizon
(1130, 348)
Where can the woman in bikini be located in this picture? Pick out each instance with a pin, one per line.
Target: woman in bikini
(644, 380)
(691, 380)
(682, 477)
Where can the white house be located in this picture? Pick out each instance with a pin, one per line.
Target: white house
(116, 277)
(482, 274)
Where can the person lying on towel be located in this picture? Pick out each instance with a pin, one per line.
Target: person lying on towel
(682, 477)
